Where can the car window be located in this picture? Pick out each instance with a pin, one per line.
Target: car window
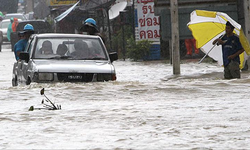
(96, 47)
(5, 24)
(15, 16)
(29, 45)
(70, 48)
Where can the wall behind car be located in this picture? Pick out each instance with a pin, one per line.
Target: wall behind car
(8, 6)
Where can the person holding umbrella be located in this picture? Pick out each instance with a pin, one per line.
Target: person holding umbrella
(231, 49)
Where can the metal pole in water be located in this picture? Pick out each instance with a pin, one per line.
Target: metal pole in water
(175, 37)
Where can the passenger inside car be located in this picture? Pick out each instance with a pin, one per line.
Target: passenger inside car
(81, 49)
(46, 48)
(61, 49)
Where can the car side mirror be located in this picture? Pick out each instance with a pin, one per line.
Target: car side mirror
(24, 56)
(113, 56)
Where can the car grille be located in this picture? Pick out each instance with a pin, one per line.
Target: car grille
(75, 77)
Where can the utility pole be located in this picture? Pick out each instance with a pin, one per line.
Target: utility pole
(246, 5)
(29, 6)
(110, 39)
(133, 12)
(175, 37)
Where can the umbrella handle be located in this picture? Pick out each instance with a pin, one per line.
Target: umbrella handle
(206, 54)
(211, 49)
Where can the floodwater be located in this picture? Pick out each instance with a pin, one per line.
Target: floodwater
(146, 108)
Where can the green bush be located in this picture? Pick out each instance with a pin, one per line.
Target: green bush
(138, 50)
(117, 40)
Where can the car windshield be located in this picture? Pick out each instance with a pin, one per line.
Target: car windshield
(69, 48)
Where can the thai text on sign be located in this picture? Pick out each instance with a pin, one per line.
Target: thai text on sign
(148, 23)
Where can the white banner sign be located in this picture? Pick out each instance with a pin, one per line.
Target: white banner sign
(148, 23)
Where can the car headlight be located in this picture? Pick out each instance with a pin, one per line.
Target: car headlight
(106, 77)
(45, 76)
(113, 77)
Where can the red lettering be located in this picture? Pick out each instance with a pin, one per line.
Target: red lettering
(142, 21)
(156, 21)
(142, 34)
(150, 34)
(156, 35)
(144, 9)
(149, 21)
(151, 9)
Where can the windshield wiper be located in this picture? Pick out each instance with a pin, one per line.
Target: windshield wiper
(61, 57)
(97, 58)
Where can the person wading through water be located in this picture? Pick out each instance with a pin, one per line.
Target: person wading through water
(231, 49)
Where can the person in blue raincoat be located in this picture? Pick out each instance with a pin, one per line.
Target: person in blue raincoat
(9, 31)
(28, 30)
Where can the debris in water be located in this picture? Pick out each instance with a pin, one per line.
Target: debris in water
(47, 104)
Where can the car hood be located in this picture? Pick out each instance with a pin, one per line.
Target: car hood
(73, 66)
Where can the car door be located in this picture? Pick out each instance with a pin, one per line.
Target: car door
(23, 66)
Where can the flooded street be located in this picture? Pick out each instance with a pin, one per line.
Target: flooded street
(146, 108)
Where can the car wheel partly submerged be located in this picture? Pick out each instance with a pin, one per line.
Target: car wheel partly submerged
(28, 81)
(14, 81)
(1, 45)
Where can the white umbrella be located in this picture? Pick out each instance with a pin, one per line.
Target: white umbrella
(206, 26)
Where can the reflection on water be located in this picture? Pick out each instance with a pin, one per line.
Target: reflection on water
(146, 108)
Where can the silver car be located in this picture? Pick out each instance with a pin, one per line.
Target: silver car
(64, 58)
(4, 28)
(19, 16)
